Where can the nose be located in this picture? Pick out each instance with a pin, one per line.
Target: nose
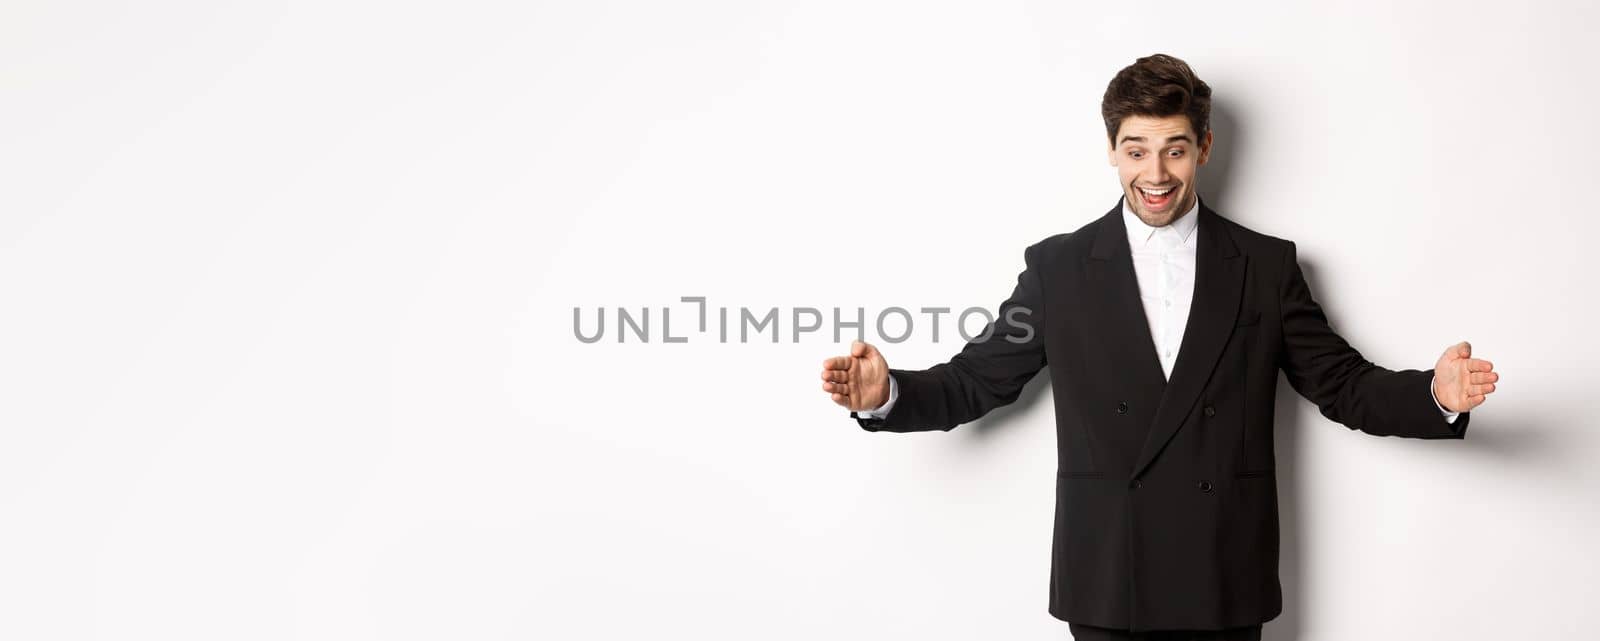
(1158, 172)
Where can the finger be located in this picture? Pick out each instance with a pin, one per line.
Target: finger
(837, 362)
(1480, 390)
(1484, 377)
(1474, 401)
(842, 400)
(1479, 365)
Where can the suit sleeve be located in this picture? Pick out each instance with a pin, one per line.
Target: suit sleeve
(988, 372)
(1346, 387)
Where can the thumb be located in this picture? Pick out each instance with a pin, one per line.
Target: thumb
(863, 349)
(1464, 349)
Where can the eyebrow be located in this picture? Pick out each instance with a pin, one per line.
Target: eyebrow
(1170, 139)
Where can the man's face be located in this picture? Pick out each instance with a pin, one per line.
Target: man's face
(1156, 161)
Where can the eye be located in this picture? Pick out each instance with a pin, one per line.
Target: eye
(1135, 154)
(1176, 153)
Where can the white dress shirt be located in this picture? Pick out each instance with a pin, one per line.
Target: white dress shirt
(1163, 262)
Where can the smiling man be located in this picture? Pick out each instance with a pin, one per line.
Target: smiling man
(1164, 325)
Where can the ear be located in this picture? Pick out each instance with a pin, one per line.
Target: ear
(1205, 148)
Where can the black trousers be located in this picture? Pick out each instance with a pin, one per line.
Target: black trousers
(1091, 633)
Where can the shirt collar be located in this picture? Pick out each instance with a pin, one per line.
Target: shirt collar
(1139, 233)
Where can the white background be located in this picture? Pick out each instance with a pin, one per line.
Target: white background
(286, 344)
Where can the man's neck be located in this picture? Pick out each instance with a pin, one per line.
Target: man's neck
(1184, 223)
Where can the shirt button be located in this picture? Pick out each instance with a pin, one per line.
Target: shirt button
(1135, 484)
(1167, 302)
(1211, 411)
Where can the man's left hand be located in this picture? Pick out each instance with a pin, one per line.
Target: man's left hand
(1461, 382)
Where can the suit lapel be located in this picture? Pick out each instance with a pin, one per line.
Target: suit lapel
(1113, 287)
(1218, 288)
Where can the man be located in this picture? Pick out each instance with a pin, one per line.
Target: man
(1164, 325)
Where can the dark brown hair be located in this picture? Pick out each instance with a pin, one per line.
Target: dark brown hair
(1157, 85)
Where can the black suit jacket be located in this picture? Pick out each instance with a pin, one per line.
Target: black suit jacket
(1166, 512)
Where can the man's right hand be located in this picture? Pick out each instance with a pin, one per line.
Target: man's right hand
(859, 381)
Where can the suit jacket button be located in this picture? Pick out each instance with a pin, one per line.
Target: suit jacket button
(1135, 484)
(1205, 486)
(1122, 407)
(1210, 411)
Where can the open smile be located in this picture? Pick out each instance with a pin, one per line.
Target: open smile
(1157, 198)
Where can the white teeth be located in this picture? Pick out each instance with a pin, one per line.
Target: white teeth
(1155, 193)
